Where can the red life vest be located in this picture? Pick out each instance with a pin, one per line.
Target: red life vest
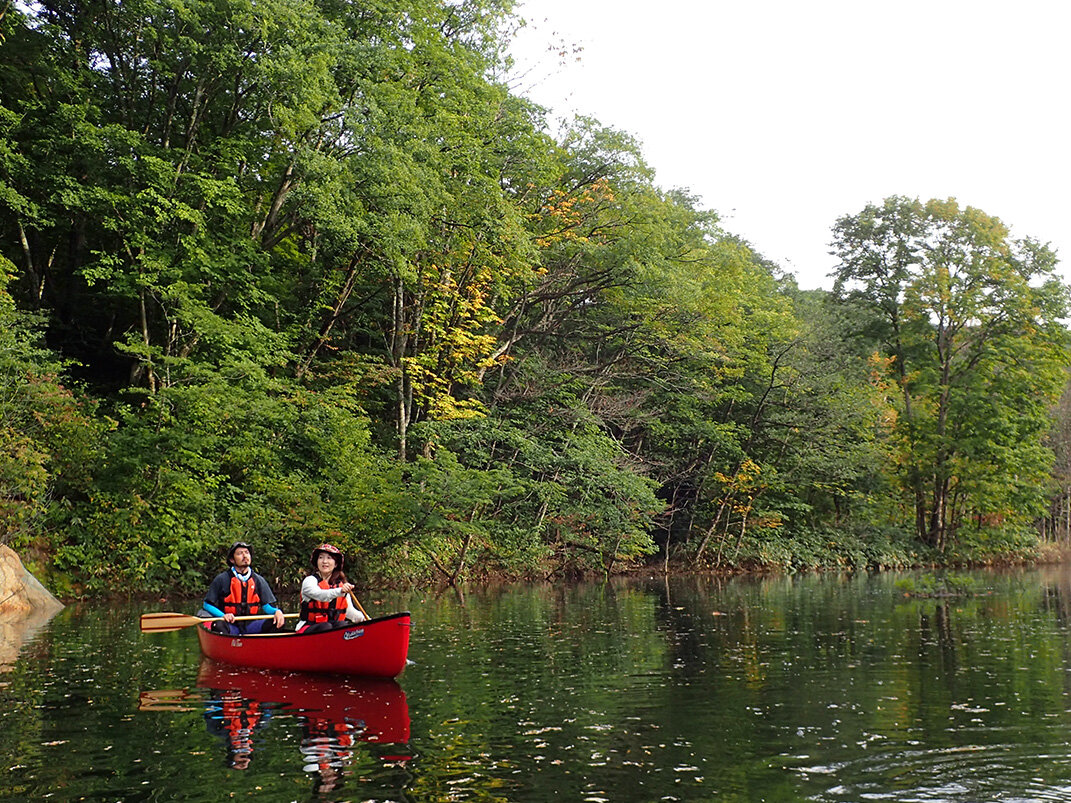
(242, 599)
(333, 610)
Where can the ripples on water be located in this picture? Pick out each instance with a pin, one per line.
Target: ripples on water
(814, 688)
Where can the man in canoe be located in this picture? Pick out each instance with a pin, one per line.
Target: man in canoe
(240, 591)
(325, 593)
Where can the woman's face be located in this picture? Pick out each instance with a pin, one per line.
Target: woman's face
(325, 563)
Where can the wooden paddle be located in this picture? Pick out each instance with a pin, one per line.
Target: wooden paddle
(162, 620)
(355, 602)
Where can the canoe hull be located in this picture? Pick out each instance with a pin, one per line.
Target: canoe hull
(377, 648)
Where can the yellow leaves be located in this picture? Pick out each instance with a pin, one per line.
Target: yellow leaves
(456, 335)
(771, 521)
(565, 212)
(744, 481)
(739, 492)
(447, 408)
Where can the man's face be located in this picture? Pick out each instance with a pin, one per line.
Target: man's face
(241, 558)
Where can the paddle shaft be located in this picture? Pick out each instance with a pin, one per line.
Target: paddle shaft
(163, 620)
(355, 602)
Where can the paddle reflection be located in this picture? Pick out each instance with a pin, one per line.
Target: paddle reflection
(335, 713)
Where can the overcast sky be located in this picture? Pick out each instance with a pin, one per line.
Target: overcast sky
(784, 115)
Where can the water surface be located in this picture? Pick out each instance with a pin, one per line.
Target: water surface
(823, 688)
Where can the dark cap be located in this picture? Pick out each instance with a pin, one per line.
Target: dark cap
(235, 546)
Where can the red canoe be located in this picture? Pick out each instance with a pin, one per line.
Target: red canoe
(376, 648)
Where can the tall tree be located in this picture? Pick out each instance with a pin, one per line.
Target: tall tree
(972, 356)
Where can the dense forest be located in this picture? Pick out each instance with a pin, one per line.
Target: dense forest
(293, 271)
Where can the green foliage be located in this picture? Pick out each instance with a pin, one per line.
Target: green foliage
(856, 548)
(939, 585)
(328, 279)
(49, 438)
(507, 495)
(971, 361)
(1006, 542)
(218, 462)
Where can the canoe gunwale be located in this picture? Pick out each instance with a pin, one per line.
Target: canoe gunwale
(292, 634)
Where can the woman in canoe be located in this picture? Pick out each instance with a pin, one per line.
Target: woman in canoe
(325, 593)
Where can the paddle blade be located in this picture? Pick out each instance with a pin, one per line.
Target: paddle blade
(160, 621)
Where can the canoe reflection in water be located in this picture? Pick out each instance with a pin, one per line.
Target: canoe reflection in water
(335, 713)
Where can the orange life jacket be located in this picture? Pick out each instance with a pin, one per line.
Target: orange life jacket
(333, 610)
(240, 717)
(340, 734)
(242, 599)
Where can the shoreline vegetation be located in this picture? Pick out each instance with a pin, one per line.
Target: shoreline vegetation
(935, 580)
(294, 272)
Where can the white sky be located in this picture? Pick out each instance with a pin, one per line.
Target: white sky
(783, 115)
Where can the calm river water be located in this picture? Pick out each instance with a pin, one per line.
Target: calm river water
(814, 688)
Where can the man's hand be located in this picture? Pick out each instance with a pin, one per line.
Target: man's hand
(228, 617)
(278, 618)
